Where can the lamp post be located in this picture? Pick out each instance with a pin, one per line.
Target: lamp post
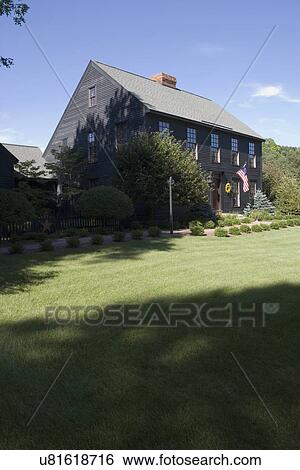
(170, 183)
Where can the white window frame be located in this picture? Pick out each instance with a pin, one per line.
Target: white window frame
(235, 154)
(252, 155)
(92, 97)
(191, 138)
(215, 153)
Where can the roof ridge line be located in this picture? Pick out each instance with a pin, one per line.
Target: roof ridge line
(21, 145)
(147, 78)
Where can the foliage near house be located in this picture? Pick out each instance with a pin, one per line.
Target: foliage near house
(14, 207)
(17, 12)
(105, 201)
(281, 176)
(260, 203)
(68, 167)
(147, 162)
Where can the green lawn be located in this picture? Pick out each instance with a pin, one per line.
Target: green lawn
(152, 387)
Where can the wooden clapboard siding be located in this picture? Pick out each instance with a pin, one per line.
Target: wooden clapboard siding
(114, 104)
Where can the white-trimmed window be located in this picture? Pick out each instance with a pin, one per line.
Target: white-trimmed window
(235, 156)
(163, 126)
(92, 157)
(251, 155)
(236, 193)
(215, 154)
(191, 138)
(92, 96)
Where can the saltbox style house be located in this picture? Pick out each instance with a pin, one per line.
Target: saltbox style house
(110, 106)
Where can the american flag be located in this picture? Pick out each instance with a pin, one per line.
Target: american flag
(243, 175)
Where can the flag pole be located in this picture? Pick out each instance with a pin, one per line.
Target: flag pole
(171, 182)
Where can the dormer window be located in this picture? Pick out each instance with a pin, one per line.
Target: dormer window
(214, 148)
(235, 156)
(92, 96)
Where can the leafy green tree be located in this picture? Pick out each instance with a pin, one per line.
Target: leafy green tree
(68, 167)
(30, 169)
(105, 201)
(147, 162)
(17, 12)
(288, 196)
(14, 207)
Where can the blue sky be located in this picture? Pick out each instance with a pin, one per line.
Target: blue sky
(206, 45)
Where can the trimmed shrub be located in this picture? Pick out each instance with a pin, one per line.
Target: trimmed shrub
(245, 228)
(231, 220)
(119, 237)
(234, 231)
(290, 222)
(137, 234)
(73, 242)
(196, 228)
(246, 220)
(265, 227)
(97, 239)
(154, 231)
(210, 224)
(221, 232)
(136, 225)
(46, 245)
(69, 232)
(221, 223)
(296, 222)
(15, 248)
(274, 225)
(82, 232)
(282, 223)
(105, 201)
(256, 228)
(38, 237)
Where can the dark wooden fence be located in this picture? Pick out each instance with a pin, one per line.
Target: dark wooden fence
(59, 224)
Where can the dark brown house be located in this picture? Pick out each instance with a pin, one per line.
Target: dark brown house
(110, 105)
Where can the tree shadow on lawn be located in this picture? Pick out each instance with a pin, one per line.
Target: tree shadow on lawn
(19, 272)
(155, 387)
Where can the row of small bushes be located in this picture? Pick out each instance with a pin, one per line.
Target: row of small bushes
(46, 244)
(244, 228)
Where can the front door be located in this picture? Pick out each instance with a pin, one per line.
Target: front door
(216, 194)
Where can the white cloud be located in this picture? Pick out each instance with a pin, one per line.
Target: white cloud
(270, 91)
(9, 135)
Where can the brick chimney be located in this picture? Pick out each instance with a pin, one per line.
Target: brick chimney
(165, 79)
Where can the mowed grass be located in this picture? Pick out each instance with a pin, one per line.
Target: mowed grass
(153, 387)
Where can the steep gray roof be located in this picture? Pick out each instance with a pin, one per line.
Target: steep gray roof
(26, 152)
(176, 102)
